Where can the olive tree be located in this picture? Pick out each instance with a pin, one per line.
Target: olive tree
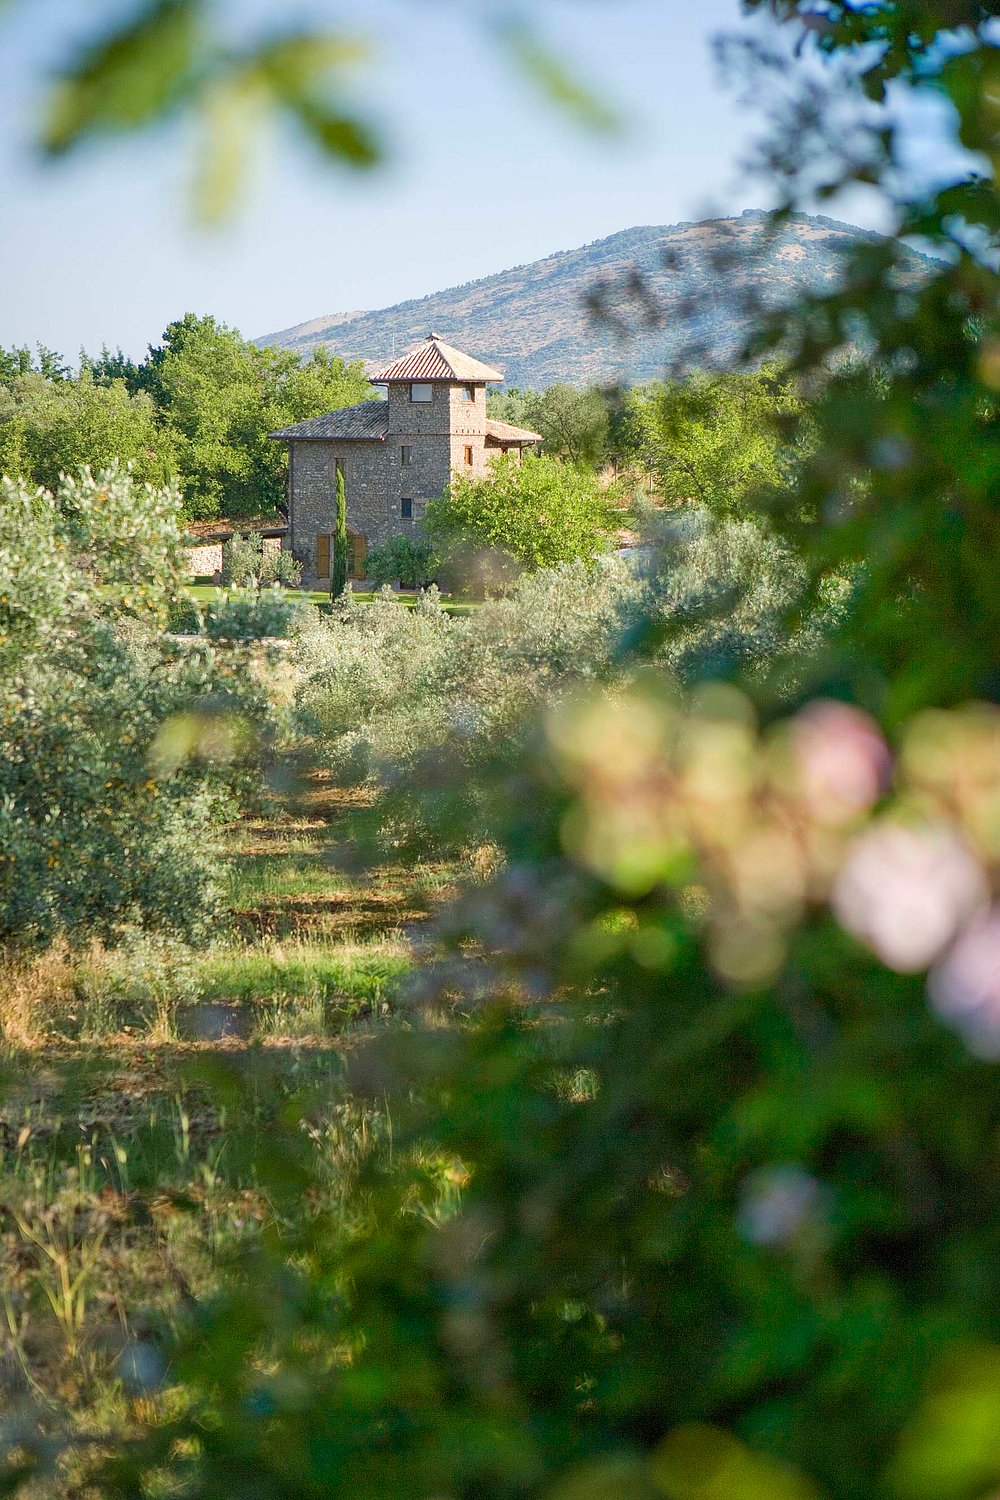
(102, 825)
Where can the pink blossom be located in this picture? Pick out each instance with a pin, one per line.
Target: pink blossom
(843, 762)
(777, 1204)
(907, 891)
(965, 986)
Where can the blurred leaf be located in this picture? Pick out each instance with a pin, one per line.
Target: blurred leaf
(288, 75)
(231, 112)
(338, 135)
(610, 1478)
(551, 77)
(128, 79)
(698, 1462)
(973, 81)
(299, 60)
(953, 1449)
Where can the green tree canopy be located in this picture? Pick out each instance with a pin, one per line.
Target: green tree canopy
(575, 423)
(199, 407)
(220, 395)
(540, 511)
(53, 426)
(717, 439)
(21, 361)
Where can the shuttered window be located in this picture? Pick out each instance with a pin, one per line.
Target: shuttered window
(358, 555)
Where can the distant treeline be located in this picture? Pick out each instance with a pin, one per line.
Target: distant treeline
(710, 438)
(198, 408)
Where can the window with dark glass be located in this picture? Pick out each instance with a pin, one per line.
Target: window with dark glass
(406, 509)
(406, 455)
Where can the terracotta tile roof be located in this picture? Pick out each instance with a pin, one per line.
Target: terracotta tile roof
(366, 423)
(201, 532)
(436, 360)
(506, 432)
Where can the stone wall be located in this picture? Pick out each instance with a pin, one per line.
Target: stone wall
(204, 561)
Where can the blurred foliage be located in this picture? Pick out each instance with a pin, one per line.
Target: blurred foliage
(161, 59)
(710, 1062)
(155, 60)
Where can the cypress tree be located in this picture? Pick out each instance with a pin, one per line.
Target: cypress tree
(338, 570)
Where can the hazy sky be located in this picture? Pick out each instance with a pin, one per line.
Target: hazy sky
(103, 249)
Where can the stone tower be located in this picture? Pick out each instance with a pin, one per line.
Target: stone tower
(395, 455)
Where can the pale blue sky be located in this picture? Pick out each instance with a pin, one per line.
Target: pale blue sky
(102, 248)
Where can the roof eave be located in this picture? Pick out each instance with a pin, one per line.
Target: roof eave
(492, 379)
(319, 437)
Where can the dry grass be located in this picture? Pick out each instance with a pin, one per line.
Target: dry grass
(31, 990)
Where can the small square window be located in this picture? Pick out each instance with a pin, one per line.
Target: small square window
(468, 393)
(406, 455)
(468, 456)
(406, 509)
(421, 393)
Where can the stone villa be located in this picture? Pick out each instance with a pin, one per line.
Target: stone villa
(395, 455)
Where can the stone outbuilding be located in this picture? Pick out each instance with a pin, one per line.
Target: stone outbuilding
(206, 539)
(395, 455)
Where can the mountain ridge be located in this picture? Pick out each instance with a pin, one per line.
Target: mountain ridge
(660, 287)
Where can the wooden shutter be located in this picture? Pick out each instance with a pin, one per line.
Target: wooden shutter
(359, 555)
(322, 557)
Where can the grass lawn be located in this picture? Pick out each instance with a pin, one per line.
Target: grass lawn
(118, 1167)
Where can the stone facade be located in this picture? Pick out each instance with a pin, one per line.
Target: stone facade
(395, 455)
(312, 493)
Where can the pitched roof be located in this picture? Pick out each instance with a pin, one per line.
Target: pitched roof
(436, 360)
(199, 533)
(365, 423)
(506, 432)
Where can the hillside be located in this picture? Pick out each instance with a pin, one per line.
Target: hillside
(534, 321)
